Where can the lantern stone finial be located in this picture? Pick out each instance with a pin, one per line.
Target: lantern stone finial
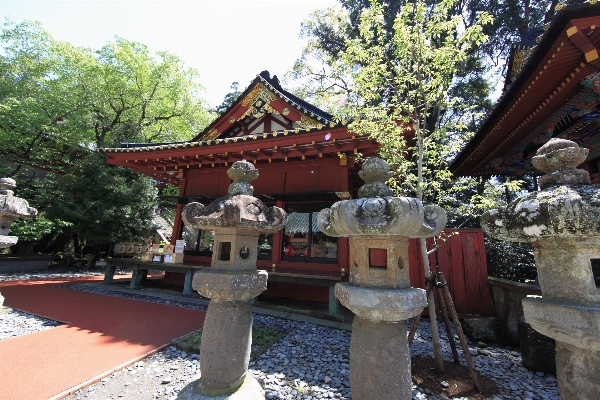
(375, 173)
(559, 159)
(11, 207)
(242, 173)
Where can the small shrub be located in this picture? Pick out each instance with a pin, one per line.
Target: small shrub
(264, 334)
(193, 338)
(510, 260)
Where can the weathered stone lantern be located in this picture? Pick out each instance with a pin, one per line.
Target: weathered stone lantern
(232, 281)
(562, 221)
(379, 291)
(11, 207)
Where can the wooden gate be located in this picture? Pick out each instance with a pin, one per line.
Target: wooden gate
(462, 260)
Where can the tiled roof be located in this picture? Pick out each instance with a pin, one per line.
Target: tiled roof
(323, 120)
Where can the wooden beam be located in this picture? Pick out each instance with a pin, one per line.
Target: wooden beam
(583, 43)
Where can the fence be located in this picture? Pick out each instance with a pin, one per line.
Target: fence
(461, 258)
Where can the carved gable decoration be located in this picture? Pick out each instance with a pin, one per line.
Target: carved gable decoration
(265, 107)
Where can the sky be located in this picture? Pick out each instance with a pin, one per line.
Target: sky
(226, 41)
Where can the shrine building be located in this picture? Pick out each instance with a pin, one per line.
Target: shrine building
(552, 90)
(306, 162)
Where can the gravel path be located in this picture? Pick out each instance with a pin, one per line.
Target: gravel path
(310, 362)
(15, 323)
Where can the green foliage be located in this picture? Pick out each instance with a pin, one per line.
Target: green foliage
(511, 20)
(58, 100)
(33, 229)
(494, 195)
(104, 204)
(508, 260)
(402, 81)
(262, 335)
(34, 100)
(193, 338)
(230, 98)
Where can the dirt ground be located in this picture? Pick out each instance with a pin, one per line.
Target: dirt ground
(457, 377)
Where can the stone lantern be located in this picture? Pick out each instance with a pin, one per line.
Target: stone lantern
(232, 281)
(11, 207)
(379, 291)
(562, 221)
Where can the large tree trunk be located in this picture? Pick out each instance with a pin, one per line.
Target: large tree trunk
(78, 245)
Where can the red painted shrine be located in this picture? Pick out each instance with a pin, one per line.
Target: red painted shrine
(306, 162)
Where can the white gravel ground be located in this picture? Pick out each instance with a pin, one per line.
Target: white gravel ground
(310, 362)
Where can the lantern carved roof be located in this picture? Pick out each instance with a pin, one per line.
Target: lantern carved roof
(239, 209)
(377, 213)
(567, 205)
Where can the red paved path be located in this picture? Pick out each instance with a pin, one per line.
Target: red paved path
(100, 333)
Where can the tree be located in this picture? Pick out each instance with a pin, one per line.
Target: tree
(328, 32)
(56, 98)
(229, 98)
(131, 94)
(34, 102)
(512, 19)
(103, 203)
(401, 84)
(59, 102)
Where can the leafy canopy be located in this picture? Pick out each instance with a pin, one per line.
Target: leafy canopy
(401, 84)
(56, 99)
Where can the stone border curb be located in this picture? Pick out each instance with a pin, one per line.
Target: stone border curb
(203, 302)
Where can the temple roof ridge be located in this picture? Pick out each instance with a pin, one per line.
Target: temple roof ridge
(309, 118)
(273, 85)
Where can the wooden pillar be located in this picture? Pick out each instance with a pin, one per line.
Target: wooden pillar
(178, 223)
(277, 240)
(343, 245)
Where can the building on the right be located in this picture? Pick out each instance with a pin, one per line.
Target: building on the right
(546, 124)
(552, 90)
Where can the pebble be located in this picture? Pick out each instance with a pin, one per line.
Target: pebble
(16, 323)
(310, 362)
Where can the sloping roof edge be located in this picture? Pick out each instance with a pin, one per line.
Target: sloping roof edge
(272, 83)
(557, 26)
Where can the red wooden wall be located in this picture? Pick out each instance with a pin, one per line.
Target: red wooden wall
(462, 260)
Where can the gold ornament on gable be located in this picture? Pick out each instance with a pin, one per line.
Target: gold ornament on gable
(306, 122)
(260, 92)
(212, 134)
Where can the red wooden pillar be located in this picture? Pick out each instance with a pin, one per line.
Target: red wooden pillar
(277, 240)
(177, 224)
(343, 243)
